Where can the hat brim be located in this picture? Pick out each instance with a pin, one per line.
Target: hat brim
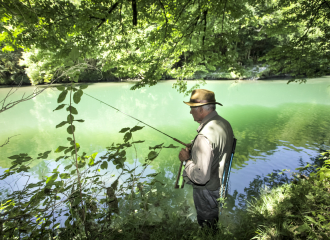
(192, 104)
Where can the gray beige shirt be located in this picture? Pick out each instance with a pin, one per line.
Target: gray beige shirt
(210, 150)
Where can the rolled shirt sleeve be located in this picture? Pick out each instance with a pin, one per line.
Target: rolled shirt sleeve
(199, 169)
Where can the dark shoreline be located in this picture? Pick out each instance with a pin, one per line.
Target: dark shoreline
(272, 78)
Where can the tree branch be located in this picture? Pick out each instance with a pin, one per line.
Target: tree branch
(134, 12)
(205, 15)
(161, 4)
(7, 141)
(113, 7)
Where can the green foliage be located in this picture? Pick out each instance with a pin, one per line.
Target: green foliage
(76, 192)
(93, 40)
(10, 71)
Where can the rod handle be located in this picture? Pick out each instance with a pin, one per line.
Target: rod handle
(178, 177)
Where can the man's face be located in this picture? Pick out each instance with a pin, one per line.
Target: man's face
(197, 113)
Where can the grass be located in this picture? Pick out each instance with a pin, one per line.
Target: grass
(297, 209)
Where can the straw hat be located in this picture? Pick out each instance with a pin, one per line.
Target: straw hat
(200, 97)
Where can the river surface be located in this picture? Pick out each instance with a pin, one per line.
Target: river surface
(277, 126)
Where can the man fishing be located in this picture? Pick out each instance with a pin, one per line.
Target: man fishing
(210, 150)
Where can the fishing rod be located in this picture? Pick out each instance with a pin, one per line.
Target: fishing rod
(180, 169)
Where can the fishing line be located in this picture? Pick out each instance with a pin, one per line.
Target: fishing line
(137, 119)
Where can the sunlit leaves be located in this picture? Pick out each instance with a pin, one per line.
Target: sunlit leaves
(94, 155)
(64, 175)
(50, 180)
(91, 162)
(60, 149)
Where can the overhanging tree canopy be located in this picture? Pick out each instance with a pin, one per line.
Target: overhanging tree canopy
(150, 39)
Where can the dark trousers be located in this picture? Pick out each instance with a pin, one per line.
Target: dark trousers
(207, 207)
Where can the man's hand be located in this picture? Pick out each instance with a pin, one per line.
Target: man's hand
(184, 154)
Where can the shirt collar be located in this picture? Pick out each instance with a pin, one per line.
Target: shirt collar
(206, 119)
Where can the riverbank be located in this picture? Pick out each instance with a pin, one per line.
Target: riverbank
(284, 208)
(272, 78)
(295, 207)
(254, 73)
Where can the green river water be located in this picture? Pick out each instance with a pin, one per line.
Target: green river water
(276, 125)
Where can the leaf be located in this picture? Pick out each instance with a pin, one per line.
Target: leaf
(68, 150)
(127, 136)
(104, 165)
(51, 179)
(59, 107)
(155, 147)
(152, 155)
(83, 86)
(302, 228)
(310, 219)
(76, 78)
(77, 96)
(124, 130)
(91, 162)
(72, 110)
(153, 174)
(140, 141)
(67, 167)
(80, 120)
(43, 155)
(61, 124)
(69, 118)
(62, 96)
(60, 88)
(64, 175)
(71, 129)
(171, 146)
(69, 139)
(74, 54)
(136, 128)
(94, 155)
(60, 149)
